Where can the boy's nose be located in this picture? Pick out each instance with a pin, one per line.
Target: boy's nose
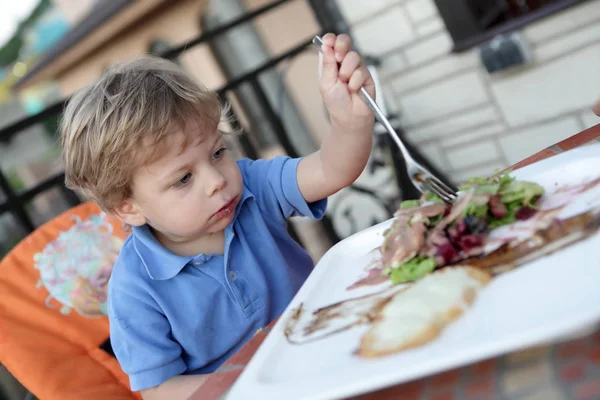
(217, 183)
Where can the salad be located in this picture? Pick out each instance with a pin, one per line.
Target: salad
(429, 233)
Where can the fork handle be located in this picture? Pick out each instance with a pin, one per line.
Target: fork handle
(366, 97)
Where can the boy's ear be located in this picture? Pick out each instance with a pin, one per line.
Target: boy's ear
(130, 213)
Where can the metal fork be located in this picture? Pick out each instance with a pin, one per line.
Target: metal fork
(423, 180)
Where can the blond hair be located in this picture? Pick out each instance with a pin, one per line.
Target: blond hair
(122, 122)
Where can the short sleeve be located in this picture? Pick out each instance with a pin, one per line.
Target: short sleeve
(274, 183)
(141, 339)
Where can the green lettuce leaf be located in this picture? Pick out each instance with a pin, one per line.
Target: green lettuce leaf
(432, 198)
(409, 204)
(522, 191)
(476, 210)
(412, 270)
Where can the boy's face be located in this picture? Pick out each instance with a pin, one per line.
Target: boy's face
(190, 190)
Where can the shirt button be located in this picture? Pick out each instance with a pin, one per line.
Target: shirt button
(232, 275)
(198, 262)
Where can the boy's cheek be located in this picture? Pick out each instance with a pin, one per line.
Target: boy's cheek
(235, 173)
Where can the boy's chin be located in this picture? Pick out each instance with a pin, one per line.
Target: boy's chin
(212, 227)
(221, 224)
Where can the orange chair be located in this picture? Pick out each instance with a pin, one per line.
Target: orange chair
(53, 324)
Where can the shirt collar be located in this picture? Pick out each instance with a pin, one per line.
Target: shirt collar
(160, 262)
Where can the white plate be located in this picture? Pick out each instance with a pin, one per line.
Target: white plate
(538, 302)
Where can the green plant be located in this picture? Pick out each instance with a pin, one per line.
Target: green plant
(9, 52)
(15, 181)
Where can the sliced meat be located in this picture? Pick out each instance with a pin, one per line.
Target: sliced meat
(457, 210)
(548, 239)
(497, 207)
(402, 242)
(430, 210)
(439, 246)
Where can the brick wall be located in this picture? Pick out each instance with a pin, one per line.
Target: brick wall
(467, 121)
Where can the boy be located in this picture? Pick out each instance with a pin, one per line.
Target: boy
(209, 261)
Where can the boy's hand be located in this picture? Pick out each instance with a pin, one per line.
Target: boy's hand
(342, 76)
(345, 151)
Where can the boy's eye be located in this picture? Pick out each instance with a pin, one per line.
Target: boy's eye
(219, 153)
(184, 180)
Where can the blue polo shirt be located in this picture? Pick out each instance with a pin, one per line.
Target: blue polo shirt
(171, 315)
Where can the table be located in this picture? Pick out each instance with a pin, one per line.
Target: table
(566, 370)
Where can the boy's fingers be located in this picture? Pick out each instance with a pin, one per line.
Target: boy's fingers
(329, 39)
(349, 65)
(369, 84)
(320, 66)
(342, 46)
(329, 67)
(358, 79)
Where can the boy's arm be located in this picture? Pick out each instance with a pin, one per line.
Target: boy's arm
(345, 151)
(178, 387)
(141, 337)
(338, 164)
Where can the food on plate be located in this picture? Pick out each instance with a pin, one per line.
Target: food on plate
(447, 254)
(546, 235)
(428, 233)
(417, 315)
(409, 248)
(554, 234)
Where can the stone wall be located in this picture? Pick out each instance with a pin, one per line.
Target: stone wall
(465, 120)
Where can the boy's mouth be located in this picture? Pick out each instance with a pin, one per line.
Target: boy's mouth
(227, 209)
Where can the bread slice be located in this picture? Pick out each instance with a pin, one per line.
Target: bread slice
(417, 315)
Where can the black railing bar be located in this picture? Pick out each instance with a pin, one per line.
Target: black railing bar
(20, 199)
(265, 66)
(18, 209)
(6, 188)
(8, 131)
(22, 217)
(69, 196)
(210, 34)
